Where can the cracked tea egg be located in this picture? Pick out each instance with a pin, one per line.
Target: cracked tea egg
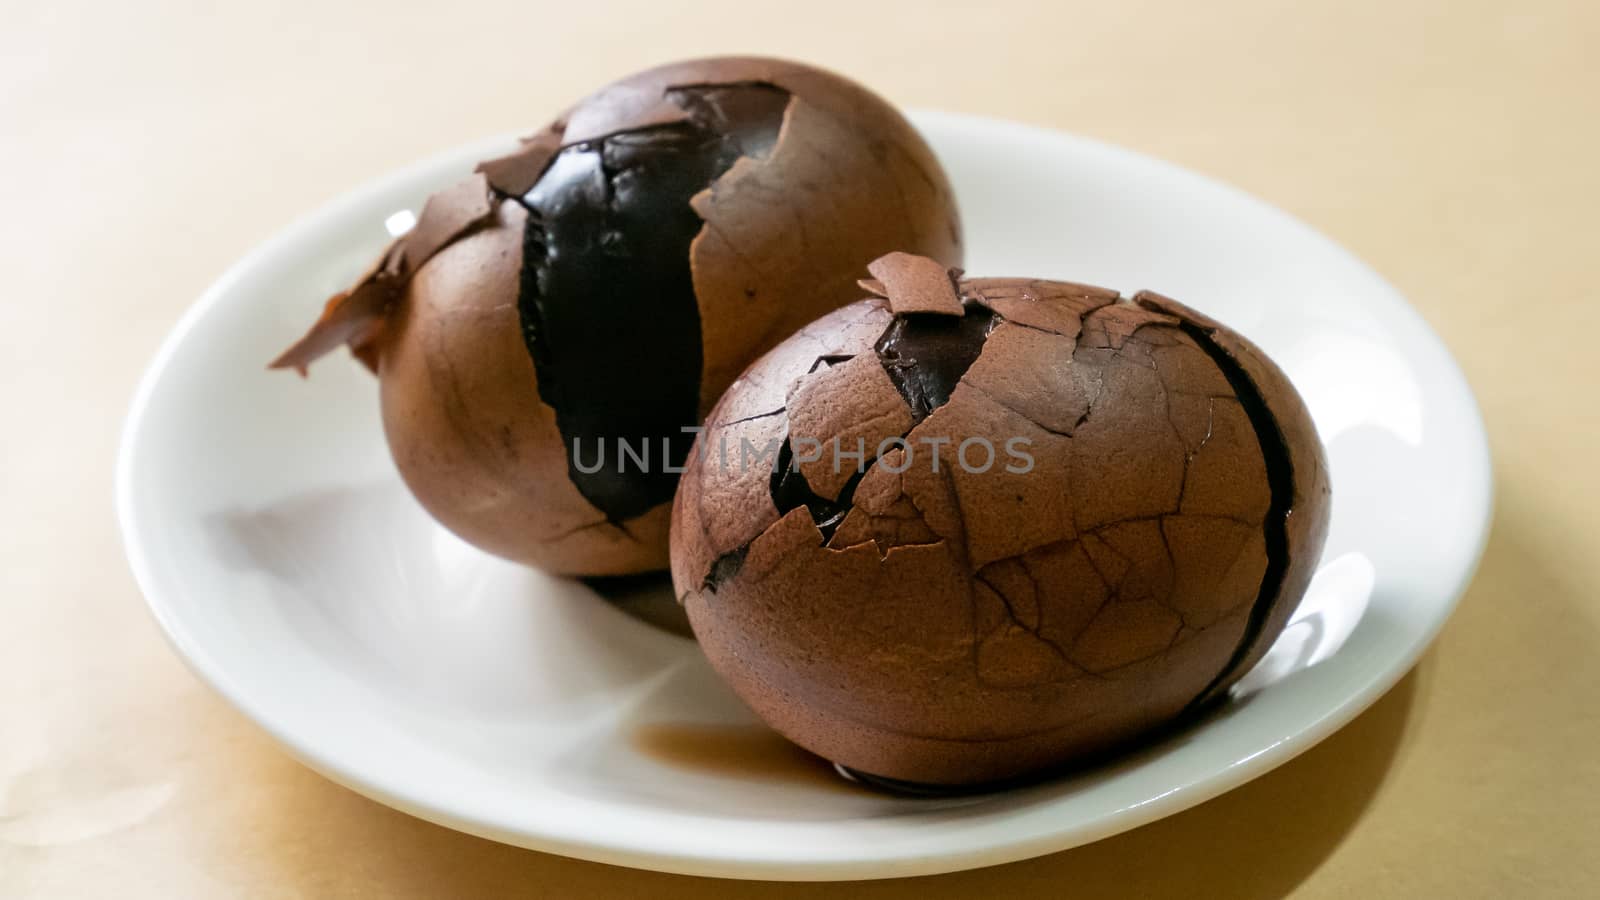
(554, 325)
(968, 531)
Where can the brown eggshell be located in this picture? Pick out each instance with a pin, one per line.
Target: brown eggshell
(608, 279)
(965, 625)
(506, 490)
(778, 236)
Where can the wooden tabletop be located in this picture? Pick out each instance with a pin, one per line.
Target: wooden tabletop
(1453, 145)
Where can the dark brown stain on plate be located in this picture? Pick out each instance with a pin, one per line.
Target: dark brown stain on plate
(746, 752)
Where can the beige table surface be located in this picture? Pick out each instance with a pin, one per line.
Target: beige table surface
(1455, 146)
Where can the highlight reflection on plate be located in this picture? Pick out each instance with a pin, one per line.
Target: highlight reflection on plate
(290, 568)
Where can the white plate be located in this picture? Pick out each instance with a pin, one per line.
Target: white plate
(288, 566)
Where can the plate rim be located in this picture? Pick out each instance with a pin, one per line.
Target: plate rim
(203, 665)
